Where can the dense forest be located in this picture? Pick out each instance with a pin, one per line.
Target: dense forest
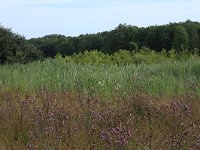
(183, 36)
(180, 36)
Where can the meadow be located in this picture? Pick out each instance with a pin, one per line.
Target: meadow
(169, 78)
(78, 103)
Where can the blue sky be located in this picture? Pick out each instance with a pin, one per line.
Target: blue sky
(36, 18)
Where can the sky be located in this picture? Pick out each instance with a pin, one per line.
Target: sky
(37, 18)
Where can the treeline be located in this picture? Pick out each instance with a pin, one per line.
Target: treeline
(15, 48)
(183, 36)
(178, 37)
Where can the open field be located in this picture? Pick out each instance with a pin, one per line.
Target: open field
(59, 105)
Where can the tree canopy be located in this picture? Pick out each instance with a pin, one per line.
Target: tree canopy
(15, 48)
(179, 36)
(182, 36)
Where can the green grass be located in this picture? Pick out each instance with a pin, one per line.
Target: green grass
(169, 78)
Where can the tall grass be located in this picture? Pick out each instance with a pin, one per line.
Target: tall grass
(169, 78)
(70, 109)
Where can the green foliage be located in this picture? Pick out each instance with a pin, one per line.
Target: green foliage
(123, 57)
(172, 54)
(179, 36)
(14, 48)
(133, 46)
(196, 51)
(58, 56)
(164, 52)
(94, 56)
(180, 41)
(182, 37)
